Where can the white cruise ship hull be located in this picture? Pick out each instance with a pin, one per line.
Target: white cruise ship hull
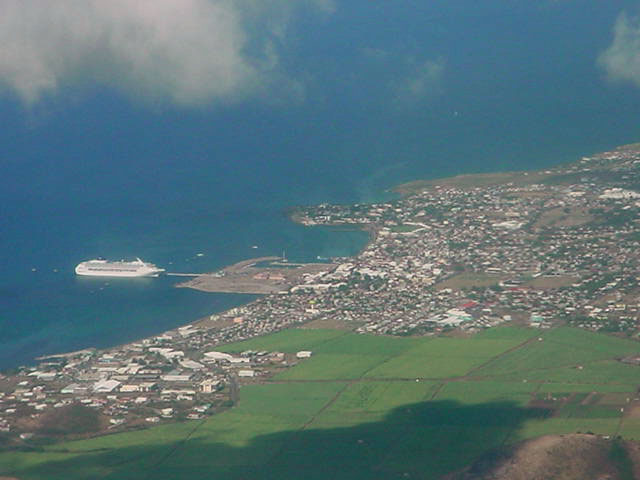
(103, 268)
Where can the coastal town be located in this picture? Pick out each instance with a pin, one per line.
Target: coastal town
(448, 257)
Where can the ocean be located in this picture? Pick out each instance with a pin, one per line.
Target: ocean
(93, 173)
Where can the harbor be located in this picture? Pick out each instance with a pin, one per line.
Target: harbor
(262, 275)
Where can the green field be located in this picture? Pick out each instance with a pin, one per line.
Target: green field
(479, 392)
(561, 347)
(367, 407)
(333, 366)
(288, 341)
(442, 358)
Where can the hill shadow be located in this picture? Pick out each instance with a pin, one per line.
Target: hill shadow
(423, 440)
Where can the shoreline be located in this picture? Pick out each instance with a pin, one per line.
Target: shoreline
(454, 259)
(463, 181)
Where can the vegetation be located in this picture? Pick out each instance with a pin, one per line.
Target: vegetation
(288, 341)
(335, 366)
(70, 419)
(375, 407)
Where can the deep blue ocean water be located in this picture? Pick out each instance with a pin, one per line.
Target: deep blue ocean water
(92, 173)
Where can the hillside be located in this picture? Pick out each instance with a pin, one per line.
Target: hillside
(559, 457)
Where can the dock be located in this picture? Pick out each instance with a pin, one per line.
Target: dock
(186, 274)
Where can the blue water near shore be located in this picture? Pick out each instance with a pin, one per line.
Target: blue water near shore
(103, 176)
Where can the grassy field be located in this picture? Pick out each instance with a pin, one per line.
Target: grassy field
(561, 347)
(479, 392)
(366, 402)
(367, 407)
(515, 334)
(332, 366)
(288, 341)
(469, 280)
(442, 358)
(473, 180)
(609, 372)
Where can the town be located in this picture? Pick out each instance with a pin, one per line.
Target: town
(449, 257)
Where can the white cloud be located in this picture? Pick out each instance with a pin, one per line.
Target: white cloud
(407, 81)
(189, 52)
(621, 60)
(422, 81)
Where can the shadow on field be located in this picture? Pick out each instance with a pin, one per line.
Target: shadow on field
(424, 440)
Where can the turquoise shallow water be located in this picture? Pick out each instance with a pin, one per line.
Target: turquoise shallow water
(100, 175)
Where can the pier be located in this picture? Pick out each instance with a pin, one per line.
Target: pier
(186, 274)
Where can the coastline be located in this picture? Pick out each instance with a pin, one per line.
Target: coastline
(451, 260)
(462, 181)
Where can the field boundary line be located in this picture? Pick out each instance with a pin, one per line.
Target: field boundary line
(436, 391)
(306, 424)
(515, 428)
(620, 423)
(555, 367)
(172, 448)
(427, 398)
(388, 359)
(331, 401)
(500, 355)
(329, 340)
(176, 446)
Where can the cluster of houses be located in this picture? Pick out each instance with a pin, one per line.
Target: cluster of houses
(562, 247)
(157, 379)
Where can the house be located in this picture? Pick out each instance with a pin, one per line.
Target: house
(177, 376)
(105, 386)
(130, 388)
(209, 385)
(191, 364)
(218, 356)
(73, 388)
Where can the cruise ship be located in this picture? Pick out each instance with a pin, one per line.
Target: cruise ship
(104, 268)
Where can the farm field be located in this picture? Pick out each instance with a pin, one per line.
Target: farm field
(374, 407)
(286, 341)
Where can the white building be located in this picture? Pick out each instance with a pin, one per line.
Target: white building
(105, 386)
(218, 356)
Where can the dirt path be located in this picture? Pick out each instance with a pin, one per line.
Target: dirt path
(234, 391)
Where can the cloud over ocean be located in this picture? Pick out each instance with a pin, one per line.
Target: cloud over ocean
(187, 52)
